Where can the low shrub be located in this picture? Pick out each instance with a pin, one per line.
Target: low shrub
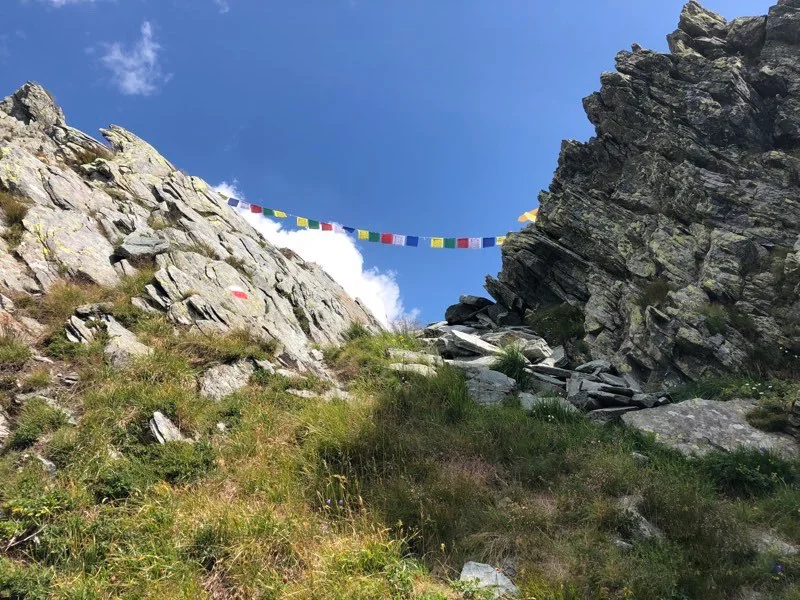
(15, 209)
(558, 324)
(654, 293)
(356, 331)
(770, 416)
(748, 472)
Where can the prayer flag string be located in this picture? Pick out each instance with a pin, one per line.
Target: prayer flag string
(393, 239)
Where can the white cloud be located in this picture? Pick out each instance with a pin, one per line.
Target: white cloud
(136, 71)
(223, 6)
(60, 3)
(339, 256)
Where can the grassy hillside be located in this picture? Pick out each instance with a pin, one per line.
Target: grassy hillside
(382, 496)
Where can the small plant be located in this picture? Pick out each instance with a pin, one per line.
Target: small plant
(202, 249)
(13, 352)
(512, 362)
(235, 345)
(558, 324)
(38, 379)
(749, 472)
(356, 331)
(236, 263)
(302, 319)
(654, 293)
(715, 318)
(86, 156)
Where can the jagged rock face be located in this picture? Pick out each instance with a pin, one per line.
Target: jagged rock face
(92, 208)
(691, 187)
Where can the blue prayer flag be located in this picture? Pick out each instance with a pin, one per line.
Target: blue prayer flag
(412, 240)
(488, 242)
(233, 202)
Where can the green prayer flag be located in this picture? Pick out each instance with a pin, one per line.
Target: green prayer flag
(449, 242)
(268, 212)
(313, 224)
(374, 236)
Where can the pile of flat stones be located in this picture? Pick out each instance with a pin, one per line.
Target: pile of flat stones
(471, 339)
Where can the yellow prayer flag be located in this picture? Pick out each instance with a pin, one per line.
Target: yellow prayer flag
(363, 234)
(501, 240)
(302, 222)
(437, 242)
(280, 214)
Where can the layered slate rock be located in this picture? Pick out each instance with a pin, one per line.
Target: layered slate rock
(685, 204)
(97, 212)
(699, 426)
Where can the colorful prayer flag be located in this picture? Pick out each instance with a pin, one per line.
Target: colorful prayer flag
(412, 240)
(244, 205)
(488, 242)
(449, 242)
(437, 242)
(374, 236)
(255, 208)
(386, 238)
(338, 228)
(302, 222)
(312, 224)
(474, 243)
(363, 234)
(326, 226)
(232, 202)
(398, 240)
(351, 230)
(462, 243)
(501, 239)
(279, 213)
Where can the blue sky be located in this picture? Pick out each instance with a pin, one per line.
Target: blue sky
(417, 117)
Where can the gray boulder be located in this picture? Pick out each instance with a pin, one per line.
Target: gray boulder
(136, 246)
(420, 358)
(123, 346)
(533, 347)
(486, 577)
(469, 344)
(699, 426)
(424, 370)
(640, 529)
(165, 430)
(487, 387)
(223, 380)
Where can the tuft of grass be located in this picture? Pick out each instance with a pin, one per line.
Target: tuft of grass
(749, 472)
(356, 331)
(36, 380)
(34, 420)
(558, 324)
(227, 348)
(512, 362)
(85, 156)
(302, 319)
(14, 209)
(13, 352)
(236, 263)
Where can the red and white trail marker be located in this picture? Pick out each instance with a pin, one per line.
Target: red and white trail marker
(238, 292)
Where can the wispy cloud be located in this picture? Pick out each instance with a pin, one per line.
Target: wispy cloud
(339, 256)
(136, 70)
(224, 5)
(60, 3)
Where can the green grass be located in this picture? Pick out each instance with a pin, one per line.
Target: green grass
(385, 495)
(14, 209)
(13, 352)
(512, 362)
(34, 420)
(557, 324)
(715, 315)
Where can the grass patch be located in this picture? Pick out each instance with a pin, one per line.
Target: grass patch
(225, 348)
(557, 324)
(512, 362)
(716, 320)
(356, 331)
(770, 416)
(36, 380)
(34, 420)
(14, 208)
(745, 472)
(13, 352)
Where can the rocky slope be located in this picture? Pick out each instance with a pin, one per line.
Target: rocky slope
(676, 229)
(86, 211)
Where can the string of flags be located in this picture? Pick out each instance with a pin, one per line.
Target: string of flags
(394, 239)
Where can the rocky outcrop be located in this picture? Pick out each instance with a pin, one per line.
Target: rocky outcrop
(675, 229)
(97, 213)
(699, 426)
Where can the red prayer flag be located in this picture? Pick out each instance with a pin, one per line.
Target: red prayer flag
(462, 243)
(256, 209)
(327, 227)
(387, 238)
